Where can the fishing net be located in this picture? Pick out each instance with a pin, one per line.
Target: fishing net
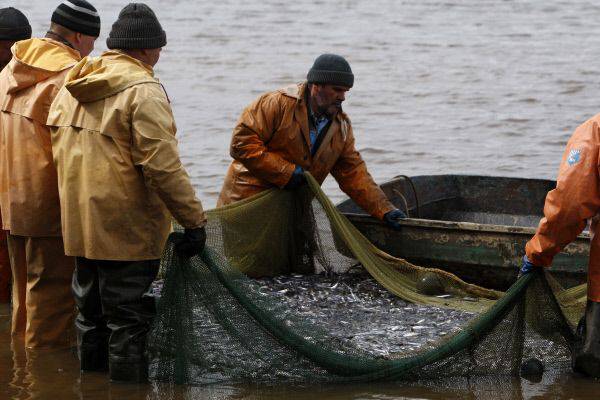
(215, 323)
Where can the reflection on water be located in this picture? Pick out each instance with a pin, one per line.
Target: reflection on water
(55, 375)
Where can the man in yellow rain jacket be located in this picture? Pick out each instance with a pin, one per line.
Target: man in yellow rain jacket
(303, 128)
(120, 181)
(43, 308)
(14, 26)
(568, 208)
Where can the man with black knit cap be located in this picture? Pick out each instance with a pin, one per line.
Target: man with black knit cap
(303, 128)
(14, 26)
(43, 307)
(120, 182)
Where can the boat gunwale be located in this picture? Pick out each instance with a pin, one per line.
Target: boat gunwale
(456, 225)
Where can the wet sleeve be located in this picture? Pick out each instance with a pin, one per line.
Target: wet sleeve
(254, 129)
(575, 199)
(154, 149)
(350, 171)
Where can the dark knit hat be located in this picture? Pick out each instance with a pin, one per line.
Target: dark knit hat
(13, 25)
(78, 16)
(331, 69)
(136, 28)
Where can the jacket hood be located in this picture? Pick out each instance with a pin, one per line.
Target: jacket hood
(94, 79)
(295, 91)
(35, 60)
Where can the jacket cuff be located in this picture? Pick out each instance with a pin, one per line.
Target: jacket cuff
(536, 257)
(286, 174)
(381, 211)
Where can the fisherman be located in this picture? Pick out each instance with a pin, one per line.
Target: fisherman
(568, 207)
(43, 307)
(14, 26)
(120, 181)
(303, 128)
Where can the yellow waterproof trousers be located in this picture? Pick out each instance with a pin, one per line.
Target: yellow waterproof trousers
(43, 306)
(5, 274)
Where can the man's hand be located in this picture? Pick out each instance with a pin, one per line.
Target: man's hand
(391, 218)
(297, 179)
(527, 266)
(192, 243)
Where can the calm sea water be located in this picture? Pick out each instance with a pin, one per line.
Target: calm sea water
(458, 86)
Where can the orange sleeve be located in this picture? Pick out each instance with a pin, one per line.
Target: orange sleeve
(350, 171)
(575, 199)
(254, 129)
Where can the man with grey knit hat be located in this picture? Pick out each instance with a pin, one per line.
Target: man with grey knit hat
(113, 138)
(42, 303)
(303, 128)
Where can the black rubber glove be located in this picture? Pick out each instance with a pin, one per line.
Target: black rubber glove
(297, 179)
(192, 242)
(391, 218)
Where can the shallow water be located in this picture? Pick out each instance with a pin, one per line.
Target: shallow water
(478, 87)
(54, 375)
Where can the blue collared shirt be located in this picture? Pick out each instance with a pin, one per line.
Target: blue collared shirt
(316, 130)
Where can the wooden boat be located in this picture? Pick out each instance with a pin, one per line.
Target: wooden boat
(473, 226)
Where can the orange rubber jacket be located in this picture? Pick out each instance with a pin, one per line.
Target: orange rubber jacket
(272, 137)
(575, 200)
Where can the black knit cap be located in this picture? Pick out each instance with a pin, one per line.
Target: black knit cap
(331, 69)
(78, 16)
(13, 25)
(136, 28)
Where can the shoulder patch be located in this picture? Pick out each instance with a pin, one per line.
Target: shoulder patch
(574, 157)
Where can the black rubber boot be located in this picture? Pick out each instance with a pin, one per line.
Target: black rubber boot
(128, 372)
(92, 333)
(586, 353)
(129, 313)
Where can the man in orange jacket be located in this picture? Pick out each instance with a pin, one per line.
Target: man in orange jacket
(14, 26)
(303, 128)
(43, 306)
(567, 210)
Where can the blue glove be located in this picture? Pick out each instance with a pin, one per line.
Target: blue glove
(391, 218)
(297, 179)
(527, 266)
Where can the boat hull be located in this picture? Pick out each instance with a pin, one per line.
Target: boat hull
(479, 251)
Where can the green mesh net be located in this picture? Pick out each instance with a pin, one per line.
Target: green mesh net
(215, 324)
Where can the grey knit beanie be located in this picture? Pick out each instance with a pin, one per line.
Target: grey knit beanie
(13, 25)
(331, 69)
(78, 16)
(136, 28)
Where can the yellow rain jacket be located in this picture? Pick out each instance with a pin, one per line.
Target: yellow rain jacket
(272, 137)
(119, 173)
(28, 187)
(574, 202)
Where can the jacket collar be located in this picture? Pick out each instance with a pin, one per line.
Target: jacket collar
(340, 122)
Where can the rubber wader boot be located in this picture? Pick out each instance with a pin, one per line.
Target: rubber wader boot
(586, 353)
(128, 372)
(93, 358)
(92, 333)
